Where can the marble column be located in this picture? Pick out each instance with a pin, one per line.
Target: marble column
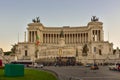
(29, 36)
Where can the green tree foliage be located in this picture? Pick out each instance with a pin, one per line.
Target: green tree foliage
(85, 50)
(7, 53)
(13, 49)
(76, 52)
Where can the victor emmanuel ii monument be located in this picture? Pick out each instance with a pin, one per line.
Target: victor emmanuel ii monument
(67, 43)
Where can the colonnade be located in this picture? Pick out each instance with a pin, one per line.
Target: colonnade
(96, 35)
(69, 38)
(32, 36)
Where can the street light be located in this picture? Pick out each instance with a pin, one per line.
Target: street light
(94, 58)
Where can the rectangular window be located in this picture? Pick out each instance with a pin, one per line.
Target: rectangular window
(100, 53)
(94, 49)
(26, 53)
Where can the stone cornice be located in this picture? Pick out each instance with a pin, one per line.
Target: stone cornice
(35, 24)
(95, 23)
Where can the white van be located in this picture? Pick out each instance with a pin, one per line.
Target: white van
(38, 65)
(113, 67)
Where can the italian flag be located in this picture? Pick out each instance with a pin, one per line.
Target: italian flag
(37, 40)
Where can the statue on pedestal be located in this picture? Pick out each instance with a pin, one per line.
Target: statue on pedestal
(61, 34)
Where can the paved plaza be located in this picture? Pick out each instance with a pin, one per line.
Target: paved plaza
(84, 73)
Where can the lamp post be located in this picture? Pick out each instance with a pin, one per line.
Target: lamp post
(59, 59)
(33, 60)
(94, 58)
(94, 55)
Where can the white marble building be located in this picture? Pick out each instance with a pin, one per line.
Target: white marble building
(70, 46)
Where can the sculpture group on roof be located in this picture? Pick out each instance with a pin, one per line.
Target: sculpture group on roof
(37, 20)
(94, 18)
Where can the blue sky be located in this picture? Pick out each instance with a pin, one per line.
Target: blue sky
(16, 14)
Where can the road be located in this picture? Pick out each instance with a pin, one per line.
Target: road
(84, 73)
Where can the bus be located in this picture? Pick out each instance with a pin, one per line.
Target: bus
(24, 62)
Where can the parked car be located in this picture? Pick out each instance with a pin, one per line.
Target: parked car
(94, 67)
(118, 67)
(38, 65)
(113, 67)
(88, 65)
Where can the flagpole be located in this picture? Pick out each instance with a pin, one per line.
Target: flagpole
(25, 36)
(108, 36)
(18, 37)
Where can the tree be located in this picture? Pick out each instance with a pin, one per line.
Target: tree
(13, 49)
(76, 52)
(7, 53)
(36, 53)
(85, 50)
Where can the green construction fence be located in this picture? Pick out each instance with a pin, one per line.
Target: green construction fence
(14, 70)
